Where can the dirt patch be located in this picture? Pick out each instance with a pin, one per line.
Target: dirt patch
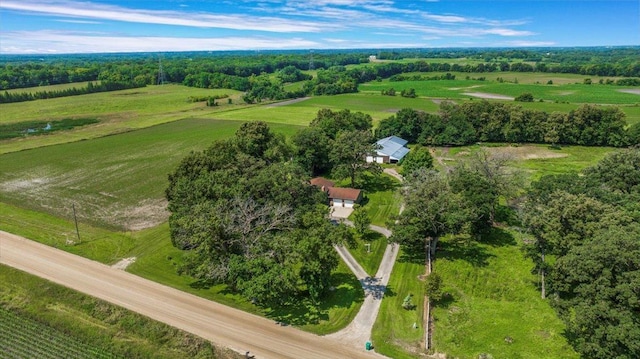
(148, 213)
(565, 93)
(24, 184)
(526, 152)
(124, 263)
(631, 91)
(485, 95)
(288, 102)
(438, 101)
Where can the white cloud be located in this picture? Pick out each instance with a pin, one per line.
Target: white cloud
(87, 10)
(70, 42)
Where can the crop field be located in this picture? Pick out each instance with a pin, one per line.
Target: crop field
(117, 112)
(117, 181)
(25, 338)
(80, 326)
(492, 305)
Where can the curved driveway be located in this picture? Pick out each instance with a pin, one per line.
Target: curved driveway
(220, 324)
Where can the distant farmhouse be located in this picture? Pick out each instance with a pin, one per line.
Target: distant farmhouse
(390, 150)
(338, 197)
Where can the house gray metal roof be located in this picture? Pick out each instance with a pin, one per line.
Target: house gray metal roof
(393, 147)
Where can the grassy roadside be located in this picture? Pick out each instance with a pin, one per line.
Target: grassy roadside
(157, 260)
(74, 320)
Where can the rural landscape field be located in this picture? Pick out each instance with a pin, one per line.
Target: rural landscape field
(246, 204)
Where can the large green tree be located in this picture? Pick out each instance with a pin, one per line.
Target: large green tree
(349, 153)
(248, 218)
(432, 210)
(598, 293)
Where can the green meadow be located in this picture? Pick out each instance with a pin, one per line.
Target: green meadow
(491, 303)
(460, 88)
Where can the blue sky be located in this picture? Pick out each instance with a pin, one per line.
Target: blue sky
(66, 26)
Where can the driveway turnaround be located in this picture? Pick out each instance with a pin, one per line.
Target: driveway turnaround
(222, 325)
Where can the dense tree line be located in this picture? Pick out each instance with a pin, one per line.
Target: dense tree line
(586, 249)
(91, 87)
(486, 121)
(247, 217)
(197, 68)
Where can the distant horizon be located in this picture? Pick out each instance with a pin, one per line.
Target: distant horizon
(41, 27)
(372, 50)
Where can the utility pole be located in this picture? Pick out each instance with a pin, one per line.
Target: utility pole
(76, 220)
(161, 78)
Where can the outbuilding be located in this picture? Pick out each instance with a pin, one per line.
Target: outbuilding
(390, 150)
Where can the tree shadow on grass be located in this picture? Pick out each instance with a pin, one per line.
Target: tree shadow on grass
(201, 284)
(466, 250)
(302, 312)
(498, 237)
(413, 255)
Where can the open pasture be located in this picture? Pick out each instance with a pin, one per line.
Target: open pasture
(302, 113)
(456, 89)
(117, 112)
(492, 305)
(118, 181)
(533, 159)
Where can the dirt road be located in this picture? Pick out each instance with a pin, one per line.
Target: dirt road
(220, 324)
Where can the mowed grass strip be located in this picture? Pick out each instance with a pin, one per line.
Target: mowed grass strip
(117, 111)
(73, 320)
(394, 334)
(117, 181)
(493, 305)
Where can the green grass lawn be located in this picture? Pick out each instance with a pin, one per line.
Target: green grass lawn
(370, 260)
(118, 181)
(393, 332)
(493, 299)
(381, 198)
